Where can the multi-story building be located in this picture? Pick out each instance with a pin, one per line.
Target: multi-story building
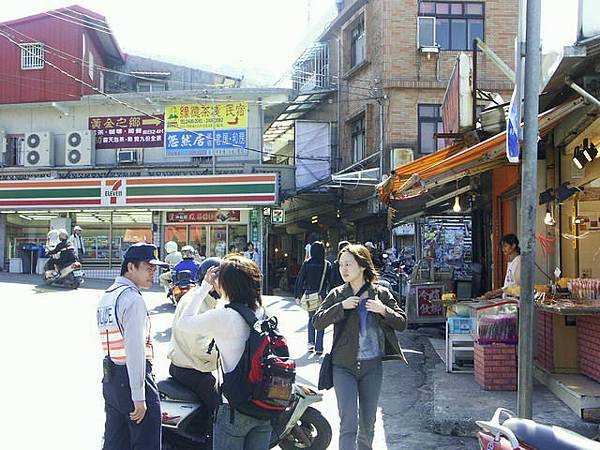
(126, 147)
(378, 75)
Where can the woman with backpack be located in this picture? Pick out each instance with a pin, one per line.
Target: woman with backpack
(314, 279)
(239, 282)
(365, 317)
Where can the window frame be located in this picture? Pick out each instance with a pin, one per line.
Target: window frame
(151, 85)
(437, 120)
(30, 52)
(450, 18)
(91, 65)
(362, 37)
(360, 118)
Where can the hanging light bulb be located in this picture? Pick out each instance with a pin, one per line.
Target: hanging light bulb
(549, 220)
(456, 208)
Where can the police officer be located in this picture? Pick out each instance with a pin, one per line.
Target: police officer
(133, 418)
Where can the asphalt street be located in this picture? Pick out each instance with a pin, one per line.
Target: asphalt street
(51, 390)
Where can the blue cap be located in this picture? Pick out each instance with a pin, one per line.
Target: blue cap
(144, 252)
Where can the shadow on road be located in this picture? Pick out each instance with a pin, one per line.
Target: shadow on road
(164, 308)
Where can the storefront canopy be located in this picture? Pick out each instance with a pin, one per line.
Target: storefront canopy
(455, 162)
(147, 192)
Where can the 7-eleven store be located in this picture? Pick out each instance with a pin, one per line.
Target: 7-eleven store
(214, 214)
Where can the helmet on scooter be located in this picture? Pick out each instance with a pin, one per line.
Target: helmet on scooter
(207, 264)
(171, 247)
(187, 251)
(63, 235)
(52, 235)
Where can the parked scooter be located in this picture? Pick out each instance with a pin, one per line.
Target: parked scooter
(181, 285)
(523, 434)
(184, 419)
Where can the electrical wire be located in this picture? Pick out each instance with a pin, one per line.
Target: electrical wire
(140, 111)
(75, 59)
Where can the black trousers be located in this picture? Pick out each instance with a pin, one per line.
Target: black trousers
(120, 433)
(203, 384)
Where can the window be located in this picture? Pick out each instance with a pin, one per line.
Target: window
(426, 32)
(357, 130)
(151, 86)
(357, 43)
(456, 24)
(91, 65)
(32, 56)
(430, 122)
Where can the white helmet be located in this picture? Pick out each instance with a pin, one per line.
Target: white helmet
(187, 251)
(62, 234)
(171, 247)
(52, 235)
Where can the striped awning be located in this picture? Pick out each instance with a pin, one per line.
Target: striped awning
(455, 162)
(158, 192)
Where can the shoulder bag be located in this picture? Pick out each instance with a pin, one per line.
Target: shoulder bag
(311, 302)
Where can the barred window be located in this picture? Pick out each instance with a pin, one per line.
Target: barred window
(32, 56)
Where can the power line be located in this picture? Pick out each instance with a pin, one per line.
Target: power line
(79, 23)
(75, 59)
(133, 108)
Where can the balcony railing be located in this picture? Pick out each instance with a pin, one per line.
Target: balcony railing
(311, 71)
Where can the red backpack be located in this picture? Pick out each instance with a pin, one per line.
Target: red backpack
(261, 385)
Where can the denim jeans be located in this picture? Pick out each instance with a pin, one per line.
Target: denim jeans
(312, 333)
(245, 433)
(357, 392)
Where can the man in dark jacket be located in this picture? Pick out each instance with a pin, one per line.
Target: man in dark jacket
(335, 279)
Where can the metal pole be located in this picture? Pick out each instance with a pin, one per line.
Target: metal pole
(528, 209)
(381, 141)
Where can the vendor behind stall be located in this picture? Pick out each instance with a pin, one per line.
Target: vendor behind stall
(510, 249)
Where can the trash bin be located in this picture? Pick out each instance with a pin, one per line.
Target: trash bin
(30, 254)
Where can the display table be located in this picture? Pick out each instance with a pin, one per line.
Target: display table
(568, 343)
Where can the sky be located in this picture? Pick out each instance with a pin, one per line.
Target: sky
(259, 39)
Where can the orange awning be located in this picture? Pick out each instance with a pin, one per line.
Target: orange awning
(417, 177)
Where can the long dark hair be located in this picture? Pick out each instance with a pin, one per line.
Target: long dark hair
(241, 281)
(511, 239)
(362, 256)
(317, 253)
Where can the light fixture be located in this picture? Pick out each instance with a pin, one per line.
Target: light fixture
(546, 196)
(578, 220)
(314, 219)
(578, 158)
(456, 208)
(25, 217)
(549, 220)
(564, 191)
(276, 250)
(589, 150)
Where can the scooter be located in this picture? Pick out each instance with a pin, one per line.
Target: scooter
(184, 420)
(181, 285)
(524, 434)
(71, 276)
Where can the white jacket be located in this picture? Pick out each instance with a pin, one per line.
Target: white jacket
(189, 348)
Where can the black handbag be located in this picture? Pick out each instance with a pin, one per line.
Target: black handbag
(326, 370)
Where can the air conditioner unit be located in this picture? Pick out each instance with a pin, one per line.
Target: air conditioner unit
(402, 156)
(39, 149)
(129, 156)
(80, 148)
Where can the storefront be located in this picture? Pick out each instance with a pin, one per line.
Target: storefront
(215, 214)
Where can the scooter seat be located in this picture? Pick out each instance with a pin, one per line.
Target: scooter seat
(545, 437)
(177, 391)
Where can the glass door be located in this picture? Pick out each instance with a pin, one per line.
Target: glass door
(218, 240)
(198, 238)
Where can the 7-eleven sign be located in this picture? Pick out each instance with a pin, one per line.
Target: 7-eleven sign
(278, 216)
(113, 192)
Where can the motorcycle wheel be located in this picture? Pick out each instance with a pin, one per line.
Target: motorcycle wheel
(315, 426)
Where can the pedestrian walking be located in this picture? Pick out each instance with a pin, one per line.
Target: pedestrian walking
(251, 252)
(335, 279)
(365, 318)
(239, 281)
(76, 241)
(132, 405)
(313, 280)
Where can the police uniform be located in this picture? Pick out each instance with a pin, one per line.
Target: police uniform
(124, 327)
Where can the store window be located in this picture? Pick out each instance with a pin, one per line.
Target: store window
(176, 233)
(198, 238)
(430, 123)
(357, 130)
(218, 240)
(238, 238)
(456, 24)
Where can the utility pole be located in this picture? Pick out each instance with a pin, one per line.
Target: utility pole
(528, 208)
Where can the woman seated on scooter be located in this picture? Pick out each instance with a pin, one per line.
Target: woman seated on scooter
(191, 352)
(65, 251)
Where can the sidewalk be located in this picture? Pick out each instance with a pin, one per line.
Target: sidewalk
(458, 401)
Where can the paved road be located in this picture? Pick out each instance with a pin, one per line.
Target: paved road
(51, 392)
